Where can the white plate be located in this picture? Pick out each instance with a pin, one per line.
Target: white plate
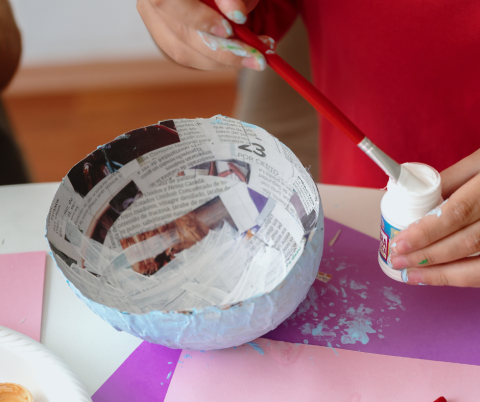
(26, 362)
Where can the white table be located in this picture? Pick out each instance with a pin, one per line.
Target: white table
(90, 346)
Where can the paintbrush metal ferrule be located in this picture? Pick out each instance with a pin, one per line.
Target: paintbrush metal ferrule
(387, 164)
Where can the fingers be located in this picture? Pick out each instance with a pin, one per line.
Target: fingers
(459, 245)
(461, 210)
(191, 13)
(197, 49)
(229, 52)
(191, 47)
(460, 173)
(462, 273)
(235, 10)
(179, 51)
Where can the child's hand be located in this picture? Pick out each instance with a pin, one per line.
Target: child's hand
(435, 250)
(194, 35)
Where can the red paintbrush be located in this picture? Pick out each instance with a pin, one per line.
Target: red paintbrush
(316, 98)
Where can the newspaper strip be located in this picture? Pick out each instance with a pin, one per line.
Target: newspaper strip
(183, 214)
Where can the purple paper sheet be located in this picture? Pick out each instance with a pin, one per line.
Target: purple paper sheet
(144, 376)
(360, 309)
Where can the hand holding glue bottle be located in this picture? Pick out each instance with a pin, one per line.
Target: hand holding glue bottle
(439, 249)
(191, 33)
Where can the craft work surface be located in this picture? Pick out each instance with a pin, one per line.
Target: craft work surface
(28, 363)
(21, 292)
(90, 346)
(268, 370)
(434, 323)
(359, 309)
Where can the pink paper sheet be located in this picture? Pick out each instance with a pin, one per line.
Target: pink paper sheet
(296, 372)
(22, 278)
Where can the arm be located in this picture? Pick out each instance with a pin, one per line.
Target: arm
(10, 44)
(194, 35)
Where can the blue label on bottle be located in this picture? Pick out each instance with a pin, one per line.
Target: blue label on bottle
(387, 232)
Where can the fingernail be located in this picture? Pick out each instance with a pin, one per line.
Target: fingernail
(401, 247)
(415, 277)
(222, 31)
(228, 27)
(399, 262)
(216, 43)
(237, 16)
(404, 275)
(252, 63)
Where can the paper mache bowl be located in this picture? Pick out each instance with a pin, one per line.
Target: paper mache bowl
(198, 234)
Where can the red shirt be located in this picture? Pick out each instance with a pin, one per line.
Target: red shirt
(406, 72)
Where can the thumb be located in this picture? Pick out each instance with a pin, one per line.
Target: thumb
(236, 10)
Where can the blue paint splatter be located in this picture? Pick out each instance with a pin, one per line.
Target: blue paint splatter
(188, 357)
(331, 287)
(256, 347)
(169, 374)
(344, 294)
(331, 347)
(392, 299)
(363, 295)
(356, 286)
(169, 362)
(305, 328)
(305, 341)
(180, 362)
(358, 327)
(250, 125)
(318, 330)
(341, 266)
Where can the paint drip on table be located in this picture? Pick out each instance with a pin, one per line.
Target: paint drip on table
(353, 309)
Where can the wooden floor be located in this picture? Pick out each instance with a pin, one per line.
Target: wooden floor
(57, 130)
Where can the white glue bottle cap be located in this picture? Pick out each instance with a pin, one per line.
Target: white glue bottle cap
(404, 203)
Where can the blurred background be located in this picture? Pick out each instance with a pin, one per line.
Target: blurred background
(90, 72)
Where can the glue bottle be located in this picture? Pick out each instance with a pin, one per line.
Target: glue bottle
(400, 207)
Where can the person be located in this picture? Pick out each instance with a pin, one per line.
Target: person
(261, 101)
(12, 167)
(405, 72)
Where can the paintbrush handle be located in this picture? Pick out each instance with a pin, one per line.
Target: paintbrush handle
(319, 101)
(322, 104)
